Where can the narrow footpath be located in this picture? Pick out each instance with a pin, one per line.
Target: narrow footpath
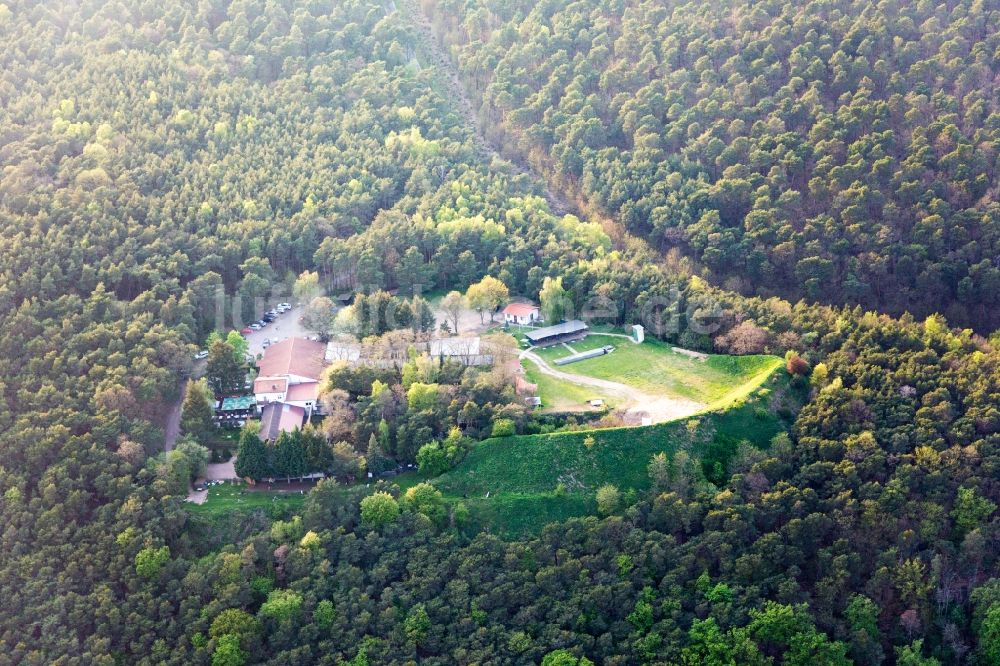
(173, 426)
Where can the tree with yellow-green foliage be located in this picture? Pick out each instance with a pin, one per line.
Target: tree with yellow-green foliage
(487, 295)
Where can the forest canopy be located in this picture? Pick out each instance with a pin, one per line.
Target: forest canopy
(160, 162)
(845, 152)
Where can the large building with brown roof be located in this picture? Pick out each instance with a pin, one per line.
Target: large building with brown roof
(289, 373)
(299, 359)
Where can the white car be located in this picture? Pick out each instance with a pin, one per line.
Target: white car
(200, 355)
(287, 306)
(255, 327)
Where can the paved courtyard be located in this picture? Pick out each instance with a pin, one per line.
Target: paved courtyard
(221, 471)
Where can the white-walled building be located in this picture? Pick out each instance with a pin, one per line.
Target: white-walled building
(523, 314)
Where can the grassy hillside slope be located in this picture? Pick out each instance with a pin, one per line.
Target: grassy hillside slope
(534, 479)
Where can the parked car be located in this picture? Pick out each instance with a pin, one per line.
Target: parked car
(267, 343)
(287, 306)
(246, 331)
(255, 327)
(268, 318)
(200, 355)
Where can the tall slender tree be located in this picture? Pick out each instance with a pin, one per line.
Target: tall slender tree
(252, 456)
(196, 411)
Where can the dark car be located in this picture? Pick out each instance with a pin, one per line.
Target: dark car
(267, 318)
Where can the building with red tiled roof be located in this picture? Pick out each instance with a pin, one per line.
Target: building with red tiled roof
(299, 359)
(289, 373)
(270, 389)
(304, 392)
(521, 313)
(277, 418)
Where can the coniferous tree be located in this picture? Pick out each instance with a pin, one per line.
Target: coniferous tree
(225, 375)
(252, 456)
(375, 457)
(289, 456)
(196, 412)
(422, 315)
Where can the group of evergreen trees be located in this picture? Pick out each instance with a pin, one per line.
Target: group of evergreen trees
(294, 454)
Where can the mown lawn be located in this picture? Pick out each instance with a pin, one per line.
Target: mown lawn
(561, 396)
(654, 368)
(235, 497)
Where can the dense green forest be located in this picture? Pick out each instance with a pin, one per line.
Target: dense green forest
(161, 162)
(845, 151)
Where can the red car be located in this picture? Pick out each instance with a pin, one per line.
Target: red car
(246, 331)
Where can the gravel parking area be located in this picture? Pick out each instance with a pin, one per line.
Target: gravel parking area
(285, 326)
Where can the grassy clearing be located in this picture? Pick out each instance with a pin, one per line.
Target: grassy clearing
(538, 463)
(235, 498)
(654, 368)
(756, 372)
(561, 396)
(537, 479)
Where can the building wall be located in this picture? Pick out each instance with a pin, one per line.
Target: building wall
(308, 405)
(264, 398)
(522, 320)
(299, 379)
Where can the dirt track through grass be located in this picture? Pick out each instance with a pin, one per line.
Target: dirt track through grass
(659, 408)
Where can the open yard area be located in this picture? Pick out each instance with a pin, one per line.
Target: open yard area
(237, 497)
(469, 320)
(562, 396)
(651, 368)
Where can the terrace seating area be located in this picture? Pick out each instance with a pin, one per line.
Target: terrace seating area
(235, 410)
